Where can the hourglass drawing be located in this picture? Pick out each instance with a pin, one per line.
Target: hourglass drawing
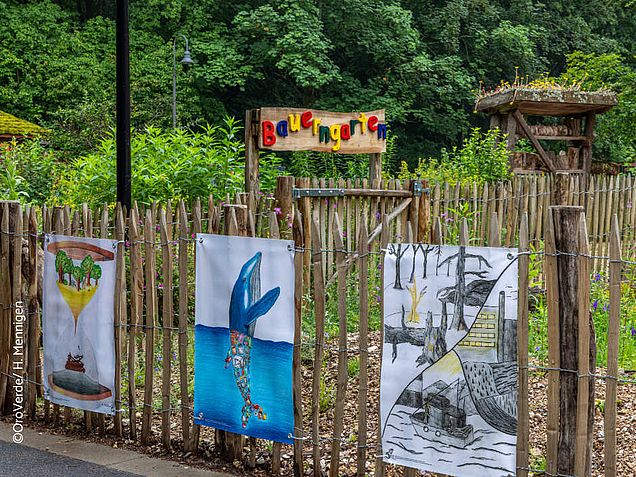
(78, 271)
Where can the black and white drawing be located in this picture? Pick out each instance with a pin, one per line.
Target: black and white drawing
(449, 368)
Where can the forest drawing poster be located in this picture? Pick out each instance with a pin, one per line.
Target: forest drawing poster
(77, 322)
(244, 335)
(449, 368)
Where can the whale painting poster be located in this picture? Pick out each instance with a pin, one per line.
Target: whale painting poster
(77, 322)
(448, 391)
(244, 335)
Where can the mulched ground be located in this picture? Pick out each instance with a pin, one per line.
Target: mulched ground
(207, 456)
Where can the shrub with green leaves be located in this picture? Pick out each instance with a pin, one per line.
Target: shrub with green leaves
(26, 171)
(482, 157)
(177, 164)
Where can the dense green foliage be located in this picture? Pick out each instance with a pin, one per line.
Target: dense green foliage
(165, 165)
(616, 129)
(418, 59)
(482, 158)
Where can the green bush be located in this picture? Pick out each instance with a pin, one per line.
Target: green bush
(482, 157)
(26, 171)
(178, 164)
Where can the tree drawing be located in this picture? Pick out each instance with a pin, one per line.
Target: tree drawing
(425, 252)
(78, 275)
(458, 293)
(439, 255)
(96, 274)
(87, 267)
(60, 263)
(399, 252)
(416, 248)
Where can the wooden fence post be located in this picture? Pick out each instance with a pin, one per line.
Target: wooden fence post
(184, 236)
(380, 468)
(5, 305)
(567, 283)
(167, 323)
(34, 310)
(136, 308)
(284, 202)
(612, 350)
(363, 267)
(375, 169)
(120, 312)
(251, 151)
(523, 429)
(319, 313)
(341, 388)
(151, 270)
(297, 364)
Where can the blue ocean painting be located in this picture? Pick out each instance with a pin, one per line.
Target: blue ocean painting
(217, 399)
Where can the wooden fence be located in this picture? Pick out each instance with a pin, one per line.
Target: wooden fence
(336, 237)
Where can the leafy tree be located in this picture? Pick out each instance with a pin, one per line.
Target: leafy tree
(96, 273)
(419, 59)
(60, 262)
(78, 275)
(87, 267)
(615, 130)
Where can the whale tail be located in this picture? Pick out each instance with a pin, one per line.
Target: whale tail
(250, 409)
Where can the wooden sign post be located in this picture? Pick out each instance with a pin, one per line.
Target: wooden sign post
(293, 129)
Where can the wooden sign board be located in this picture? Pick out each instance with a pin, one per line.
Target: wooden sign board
(293, 129)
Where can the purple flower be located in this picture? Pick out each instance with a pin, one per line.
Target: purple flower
(633, 332)
(378, 299)
(160, 286)
(277, 210)
(597, 277)
(605, 307)
(344, 233)
(537, 348)
(194, 235)
(377, 215)
(595, 305)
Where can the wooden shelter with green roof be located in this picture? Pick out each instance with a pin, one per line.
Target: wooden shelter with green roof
(12, 127)
(575, 111)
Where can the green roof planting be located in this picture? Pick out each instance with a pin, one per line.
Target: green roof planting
(12, 126)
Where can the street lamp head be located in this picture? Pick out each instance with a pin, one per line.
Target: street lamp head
(187, 59)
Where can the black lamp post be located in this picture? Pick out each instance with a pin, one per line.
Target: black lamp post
(186, 61)
(123, 107)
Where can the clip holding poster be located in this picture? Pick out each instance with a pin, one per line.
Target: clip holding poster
(449, 368)
(244, 335)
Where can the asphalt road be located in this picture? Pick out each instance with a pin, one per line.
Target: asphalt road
(22, 461)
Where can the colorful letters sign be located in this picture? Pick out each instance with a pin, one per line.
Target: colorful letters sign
(289, 129)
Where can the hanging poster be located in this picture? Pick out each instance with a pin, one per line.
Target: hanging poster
(77, 322)
(449, 367)
(244, 335)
